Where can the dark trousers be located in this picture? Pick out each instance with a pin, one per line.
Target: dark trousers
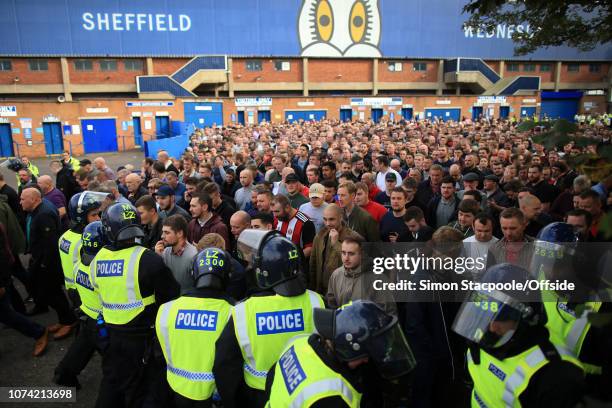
(78, 355)
(131, 377)
(178, 401)
(17, 321)
(48, 291)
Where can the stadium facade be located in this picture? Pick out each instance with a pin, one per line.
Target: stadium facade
(102, 76)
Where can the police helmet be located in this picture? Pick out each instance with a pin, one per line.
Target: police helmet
(82, 203)
(92, 240)
(121, 222)
(490, 317)
(363, 329)
(276, 261)
(211, 268)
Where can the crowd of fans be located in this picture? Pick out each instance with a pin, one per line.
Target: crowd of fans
(328, 187)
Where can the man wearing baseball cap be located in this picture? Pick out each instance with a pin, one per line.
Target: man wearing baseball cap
(294, 194)
(314, 208)
(165, 198)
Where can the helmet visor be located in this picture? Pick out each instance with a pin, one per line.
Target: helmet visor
(391, 353)
(249, 242)
(488, 319)
(552, 261)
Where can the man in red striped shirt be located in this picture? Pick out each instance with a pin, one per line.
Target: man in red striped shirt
(293, 224)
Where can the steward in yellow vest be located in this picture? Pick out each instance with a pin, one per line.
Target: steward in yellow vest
(558, 255)
(326, 368)
(83, 209)
(133, 282)
(261, 326)
(188, 327)
(87, 340)
(512, 359)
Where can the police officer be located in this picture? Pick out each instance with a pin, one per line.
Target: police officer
(86, 341)
(188, 327)
(559, 256)
(132, 282)
(261, 325)
(322, 370)
(511, 359)
(82, 210)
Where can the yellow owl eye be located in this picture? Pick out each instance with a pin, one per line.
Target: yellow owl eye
(325, 20)
(358, 21)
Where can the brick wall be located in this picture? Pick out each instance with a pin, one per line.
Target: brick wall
(407, 74)
(323, 70)
(26, 77)
(583, 74)
(268, 72)
(168, 66)
(97, 76)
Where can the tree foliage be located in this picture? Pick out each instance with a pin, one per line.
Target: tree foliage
(579, 24)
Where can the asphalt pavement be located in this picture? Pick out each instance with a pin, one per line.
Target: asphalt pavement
(17, 366)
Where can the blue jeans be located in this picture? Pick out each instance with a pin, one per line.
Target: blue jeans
(17, 321)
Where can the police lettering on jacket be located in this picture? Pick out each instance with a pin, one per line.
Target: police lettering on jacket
(283, 321)
(196, 320)
(292, 371)
(65, 245)
(109, 268)
(83, 280)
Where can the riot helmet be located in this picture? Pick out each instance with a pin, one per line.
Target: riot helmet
(82, 203)
(275, 260)
(211, 269)
(491, 317)
(363, 329)
(92, 240)
(121, 222)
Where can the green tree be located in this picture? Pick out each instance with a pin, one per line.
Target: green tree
(595, 161)
(579, 24)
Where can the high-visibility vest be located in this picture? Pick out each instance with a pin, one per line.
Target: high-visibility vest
(301, 378)
(115, 277)
(187, 329)
(69, 250)
(90, 299)
(500, 383)
(264, 325)
(563, 324)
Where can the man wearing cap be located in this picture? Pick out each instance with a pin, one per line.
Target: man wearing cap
(294, 187)
(165, 198)
(314, 208)
(384, 197)
(497, 199)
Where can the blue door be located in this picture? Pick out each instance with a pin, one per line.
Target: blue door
(407, 113)
(6, 140)
(99, 135)
(346, 115)
(377, 114)
(54, 142)
(306, 115)
(162, 127)
(137, 131)
(204, 114)
(559, 108)
(263, 116)
(443, 114)
(241, 117)
(504, 112)
(528, 111)
(476, 112)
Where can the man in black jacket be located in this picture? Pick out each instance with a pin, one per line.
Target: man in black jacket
(151, 221)
(43, 230)
(442, 208)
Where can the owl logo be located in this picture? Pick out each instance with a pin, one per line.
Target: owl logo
(339, 28)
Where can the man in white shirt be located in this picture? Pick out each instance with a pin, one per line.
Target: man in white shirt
(382, 165)
(314, 208)
(477, 246)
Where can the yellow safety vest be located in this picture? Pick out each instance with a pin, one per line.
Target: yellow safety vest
(69, 250)
(500, 383)
(563, 324)
(264, 325)
(187, 329)
(301, 378)
(90, 300)
(115, 277)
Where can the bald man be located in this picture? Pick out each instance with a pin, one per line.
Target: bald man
(135, 190)
(239, 221)
(531, 207)
(43, 230)
(57, 198)
(100, 165)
